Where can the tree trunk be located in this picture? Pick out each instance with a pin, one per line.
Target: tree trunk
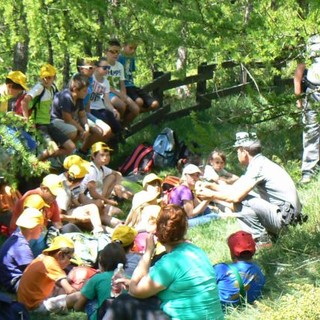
(20, 56)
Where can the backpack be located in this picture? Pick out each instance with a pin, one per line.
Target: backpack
(36, 100)
(11, 309)
(169, 183)
(78, 276)
(165, 149)
(140, 160)
(86, 248)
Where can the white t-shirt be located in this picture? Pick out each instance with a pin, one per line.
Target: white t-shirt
(96, 175)
(99, 89)
(212, 175)
(64, 197)
(116, 74)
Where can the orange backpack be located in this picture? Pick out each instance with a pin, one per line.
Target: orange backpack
(168, 184)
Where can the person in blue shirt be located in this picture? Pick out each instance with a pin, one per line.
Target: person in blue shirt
(15, 253)
(242, 249)
(138, 95)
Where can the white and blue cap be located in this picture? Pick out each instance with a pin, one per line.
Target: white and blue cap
(246, 140)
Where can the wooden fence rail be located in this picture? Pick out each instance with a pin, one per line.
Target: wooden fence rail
(162, 82)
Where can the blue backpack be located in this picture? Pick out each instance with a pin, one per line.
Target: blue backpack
(165, 149)
(11, 309)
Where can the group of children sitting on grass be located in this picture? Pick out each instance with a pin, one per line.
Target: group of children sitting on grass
(82, 198)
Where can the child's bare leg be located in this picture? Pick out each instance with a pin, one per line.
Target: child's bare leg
(108, 184)
(93, 211)
(107, 216)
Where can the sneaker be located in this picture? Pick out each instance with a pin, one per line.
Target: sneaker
(52, 147)
(305, 180)
(264, 241)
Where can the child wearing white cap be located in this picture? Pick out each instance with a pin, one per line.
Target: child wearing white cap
(184, 196)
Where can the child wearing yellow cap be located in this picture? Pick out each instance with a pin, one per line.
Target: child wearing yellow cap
(37, 105)
(38, 288)
(97, 185)
(15, 253)
(12, 91)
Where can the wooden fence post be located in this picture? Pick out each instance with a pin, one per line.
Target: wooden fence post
(158, 93)
(201, 84)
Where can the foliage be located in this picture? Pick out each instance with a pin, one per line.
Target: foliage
(244, 31)
(16, 159)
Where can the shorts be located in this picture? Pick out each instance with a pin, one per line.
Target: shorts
(82, 213)
(55, 133)
(56, 304)
(64, 127)
(134, 93)
(112, 95)
(94, 121)
(108, 117)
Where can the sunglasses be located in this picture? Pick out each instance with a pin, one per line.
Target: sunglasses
(114, 51)
(86, 67)
(105, 67)
(15, 86)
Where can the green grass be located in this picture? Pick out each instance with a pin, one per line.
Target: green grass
(292, 265)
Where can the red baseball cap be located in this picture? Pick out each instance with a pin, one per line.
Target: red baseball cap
(240, 242)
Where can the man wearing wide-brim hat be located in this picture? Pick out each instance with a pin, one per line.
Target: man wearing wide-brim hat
(277, 203)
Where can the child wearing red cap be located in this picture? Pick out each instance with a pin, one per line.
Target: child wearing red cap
(241, 280)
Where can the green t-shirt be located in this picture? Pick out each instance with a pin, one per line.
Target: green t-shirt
(98, 287)
(42, 114)
(191, 291)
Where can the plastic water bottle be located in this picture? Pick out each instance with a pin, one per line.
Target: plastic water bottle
(116, 288)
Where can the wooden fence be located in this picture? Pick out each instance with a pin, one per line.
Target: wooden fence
(162, 82)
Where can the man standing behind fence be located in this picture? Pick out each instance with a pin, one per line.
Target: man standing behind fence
(307, 89)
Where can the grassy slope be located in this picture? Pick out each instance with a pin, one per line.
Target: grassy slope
(291, 266)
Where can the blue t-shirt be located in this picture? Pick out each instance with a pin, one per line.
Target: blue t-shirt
(129, 66)
(63, 102)
(191, 292)
(251, 275)
(15, 256)
(90, 90)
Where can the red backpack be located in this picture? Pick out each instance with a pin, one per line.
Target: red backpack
(140, 160)
(78, 276)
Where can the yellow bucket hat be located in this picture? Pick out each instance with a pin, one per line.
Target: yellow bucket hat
(34, 201)
(76, 166)
(143, 197)
(19, 78)
(98, 146)
(53, 183)
(149, 178)
(58, 243)
(30, 218)
(77, 171)
(47, 70)
(125, 234)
